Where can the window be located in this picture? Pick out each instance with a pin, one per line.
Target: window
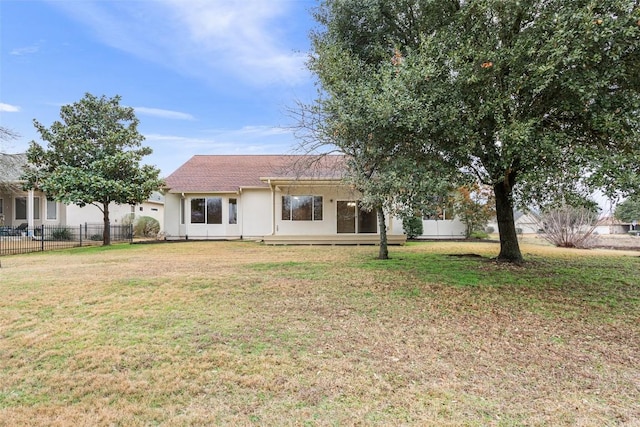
(21, 208)
(207, 210)
(182, 211)
(302, 208)
(197, 211)
(233, 211)
(52, 210)
(214, 210)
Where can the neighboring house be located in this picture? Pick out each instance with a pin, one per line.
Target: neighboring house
(612, 225)
(275, 198)
(32, 207)
(525, 222)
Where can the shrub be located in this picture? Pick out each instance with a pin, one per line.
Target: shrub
(61, 234)
(490, 229)
(479, 234)
(412, 226)
(570, 227)
(146, 226)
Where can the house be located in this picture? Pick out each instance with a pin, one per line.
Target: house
(612, 225)
(526, 222)
(18, 206)
(277, 199)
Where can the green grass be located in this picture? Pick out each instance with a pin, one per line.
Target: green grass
(231, 333)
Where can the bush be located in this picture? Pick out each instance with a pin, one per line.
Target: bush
(490, 229)
(146, 226)
(570, 227)
(412, 226)
(61, 234)
(479, 234)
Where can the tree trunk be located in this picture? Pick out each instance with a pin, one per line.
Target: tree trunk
(509, 247)
(106, 234)
(384, 250)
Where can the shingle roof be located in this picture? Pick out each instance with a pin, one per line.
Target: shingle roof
(223, 173)
(11, 167)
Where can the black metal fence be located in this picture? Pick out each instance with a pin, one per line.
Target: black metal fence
(21, 239)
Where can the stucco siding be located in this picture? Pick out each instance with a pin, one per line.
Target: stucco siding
(171, 224)
(254, 213)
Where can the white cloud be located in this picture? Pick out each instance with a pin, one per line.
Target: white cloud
(165, 114)
(26, 50)
(243, 36)
(241, 39)
(7, 108)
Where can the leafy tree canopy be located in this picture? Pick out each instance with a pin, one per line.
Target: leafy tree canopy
(538, 99)
(629, 210)
(93, 157)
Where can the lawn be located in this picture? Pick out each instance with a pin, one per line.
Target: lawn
(236, 333)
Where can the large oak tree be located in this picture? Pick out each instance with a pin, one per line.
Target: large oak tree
(538, 99)
(93, 157)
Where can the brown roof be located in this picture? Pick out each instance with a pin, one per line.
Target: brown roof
(222, 173)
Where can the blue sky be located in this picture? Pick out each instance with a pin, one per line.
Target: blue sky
(204, 76)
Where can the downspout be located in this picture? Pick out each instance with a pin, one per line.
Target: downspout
(183, 215)
(273, 208)
(240, 213)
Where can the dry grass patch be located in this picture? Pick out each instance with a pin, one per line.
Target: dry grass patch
(233, 333)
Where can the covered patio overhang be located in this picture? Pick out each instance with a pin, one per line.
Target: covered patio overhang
(9, 192)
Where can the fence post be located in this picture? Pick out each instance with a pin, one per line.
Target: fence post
(80, 235)
(41, 237)
(131, 233)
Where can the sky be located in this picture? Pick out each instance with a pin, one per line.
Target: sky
(204, 76)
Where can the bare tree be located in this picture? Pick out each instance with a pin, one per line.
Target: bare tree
(570, 227)
(7, 134)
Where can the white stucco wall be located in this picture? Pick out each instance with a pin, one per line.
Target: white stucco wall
(171, 224)
(255, 213)
(435, 229)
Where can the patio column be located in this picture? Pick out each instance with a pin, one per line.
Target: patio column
(30, 210)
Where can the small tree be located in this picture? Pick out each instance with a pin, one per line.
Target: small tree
(93, 157)
(475, 206)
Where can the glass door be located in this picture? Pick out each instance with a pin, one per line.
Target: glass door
(346, 216)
